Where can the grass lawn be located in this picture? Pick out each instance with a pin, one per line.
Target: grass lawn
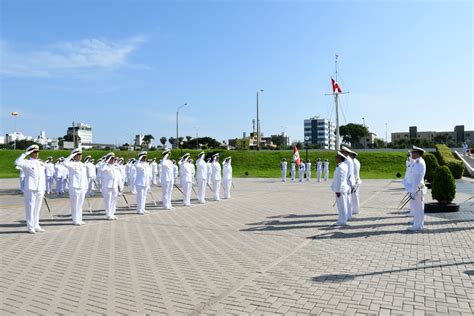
(259, 164)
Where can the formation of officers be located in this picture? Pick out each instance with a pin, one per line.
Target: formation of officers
(304, 169)
(111, 174)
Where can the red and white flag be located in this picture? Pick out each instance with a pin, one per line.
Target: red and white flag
(335, 87)
(296, 156)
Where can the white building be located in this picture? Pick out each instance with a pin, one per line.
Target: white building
(15, 136)
(82, 130)
(42, 139)
(320, 131)
(139, 140)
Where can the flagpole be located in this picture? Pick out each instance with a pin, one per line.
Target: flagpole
(338, 141)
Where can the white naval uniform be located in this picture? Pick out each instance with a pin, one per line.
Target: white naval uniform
(292, 171)
(49, 170)
(326, 170)
(132, 174)
(209, 172)
(34, 186)
(58, 176)
(216, 179)
(167, 182)
(227, 178)
(284, 165)
(154, 172)
(91, 176)
(22, 179)
(301, 171)
(414, 185)
(308, 171)
(78, 185)
(339, 185)
(111, 187)
(355, 193)
(408, 164)
(201, 178)
(350, 182)
(160, 169)
(186, 177)
(318, 170)
(142, 184)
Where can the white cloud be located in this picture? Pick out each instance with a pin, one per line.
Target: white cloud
(67, 57)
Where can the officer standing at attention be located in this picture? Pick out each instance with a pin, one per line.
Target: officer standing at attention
(35, 184)
(292, 170)
(216, 177)
(318, 169)
(308, 170)
(91, 175)
(326, 169)
(186, 178)
(301, 171)
(142, 181)
(49, 174)
(350, 179)
(78, 184)
(341, 188)
(415, 186)
(227, 176)
(167, 179)
(201, 177)
(283, 166)
(358, 182)
(112, 185)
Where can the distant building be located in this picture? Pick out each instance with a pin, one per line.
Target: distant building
(139, 140)
(369, 140)
(15, 136)
(320, 131)
(82, 130)
(42, 139)
(2, 140)
(458, 135)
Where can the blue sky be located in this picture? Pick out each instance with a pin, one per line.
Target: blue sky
(125, 66)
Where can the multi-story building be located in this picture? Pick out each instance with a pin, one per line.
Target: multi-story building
(320, 131)
(458, 136)
(82, 130)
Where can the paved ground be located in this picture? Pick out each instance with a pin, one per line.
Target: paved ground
(269, 250)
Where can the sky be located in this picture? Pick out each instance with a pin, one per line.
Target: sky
(124, 67)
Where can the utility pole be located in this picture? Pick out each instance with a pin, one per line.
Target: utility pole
(258, 123)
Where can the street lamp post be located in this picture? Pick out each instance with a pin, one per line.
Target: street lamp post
(177, 124)
(306, 138)
(363, 121)
(258, 123)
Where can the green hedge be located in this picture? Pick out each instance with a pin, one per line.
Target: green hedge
(431, 165)
(443, 187)
(446, 158)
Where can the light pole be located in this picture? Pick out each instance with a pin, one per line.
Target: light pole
(306, 138)
(197, 138)
(177, 124)
(386, 139)
(14, 114)
(363, 121)
(258, 123)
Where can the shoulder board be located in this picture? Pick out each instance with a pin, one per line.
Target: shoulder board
(417, 161)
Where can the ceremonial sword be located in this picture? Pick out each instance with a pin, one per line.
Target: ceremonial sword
(47, 206)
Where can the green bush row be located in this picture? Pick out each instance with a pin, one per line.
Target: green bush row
(446, 158)
(431, 165)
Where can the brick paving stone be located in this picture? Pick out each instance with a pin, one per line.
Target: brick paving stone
(269, 250)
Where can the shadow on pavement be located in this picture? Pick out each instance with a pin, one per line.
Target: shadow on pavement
(337, 278)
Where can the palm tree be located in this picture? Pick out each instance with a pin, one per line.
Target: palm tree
(147, 139)
(163, 141)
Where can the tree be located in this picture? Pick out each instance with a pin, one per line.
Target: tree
(444, 138)
(70, 138)
(147, 139)
(351, 133)
(180, 140)
(163, 140)
(277, 140)
(188, 138)
(172, 141)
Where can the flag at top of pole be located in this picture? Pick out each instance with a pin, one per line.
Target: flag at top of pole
(296, 156)
(335, 87)
(15, 113)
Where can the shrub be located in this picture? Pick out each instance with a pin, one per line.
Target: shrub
(431, 165)
(446, 157)
(443, 188)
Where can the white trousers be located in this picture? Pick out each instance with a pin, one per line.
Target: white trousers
(308, 175)
(59, 185)
(33, 200)
(49, 184)
(110, 200)
(90, 187)
(355, 202)
(349, 205)
(166, 192)
(216, 188)
(201, 190)
(141, 197)
(292, 174)
(417, 206)
(301, 174)
(227, 185)
(341, 203)
(318, 175)
(76, 197)
(326, 175)
(187, 187)
(283, 175)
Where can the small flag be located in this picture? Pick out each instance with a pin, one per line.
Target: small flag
(15, 113)
(296, 156)
(335, 87)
